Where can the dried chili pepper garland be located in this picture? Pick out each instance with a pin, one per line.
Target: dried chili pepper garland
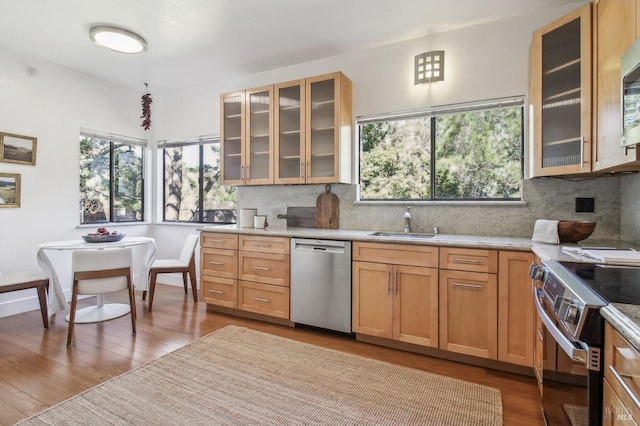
(146, 109)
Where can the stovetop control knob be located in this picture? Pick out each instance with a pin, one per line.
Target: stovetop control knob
(571, 314)
(536, 272)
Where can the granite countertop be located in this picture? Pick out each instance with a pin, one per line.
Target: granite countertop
(624, 318)
(443, 240)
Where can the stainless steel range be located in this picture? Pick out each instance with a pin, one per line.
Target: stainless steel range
(569, 310)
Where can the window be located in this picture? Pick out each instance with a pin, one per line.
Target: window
(462, 152)
(191, 176)
(111, 179)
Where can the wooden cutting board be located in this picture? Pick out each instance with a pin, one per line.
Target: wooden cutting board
(327, 210)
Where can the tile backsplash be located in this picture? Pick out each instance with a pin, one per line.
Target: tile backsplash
(544, 198)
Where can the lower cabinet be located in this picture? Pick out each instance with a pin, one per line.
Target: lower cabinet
(621, 402)
(392, 300)
(469, 313)
(515, 308)
(265, 299)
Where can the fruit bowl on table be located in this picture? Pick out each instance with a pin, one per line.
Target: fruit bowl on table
(106, 238)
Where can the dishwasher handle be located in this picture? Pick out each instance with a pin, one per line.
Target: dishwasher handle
(319, 246)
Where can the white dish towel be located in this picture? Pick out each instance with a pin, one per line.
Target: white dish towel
(546, 231)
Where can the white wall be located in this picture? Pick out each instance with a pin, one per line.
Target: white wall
(52, 106)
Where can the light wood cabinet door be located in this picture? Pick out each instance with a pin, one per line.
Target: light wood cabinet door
(219, 291)
(290, 151)
(614, 410)
(246, 137)
(232, 136)
(473, 260)
(515, 308)
(328, 129)
(372, 299)
(561, 95)
(614, 32)
(469, 313)
(265, 299)
(264, 268)
(219, 263)
(415, 305)
(258, 150)
(219, 240)
(396, 254)
(621, 372)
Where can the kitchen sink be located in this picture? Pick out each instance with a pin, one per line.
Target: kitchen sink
(409, 235)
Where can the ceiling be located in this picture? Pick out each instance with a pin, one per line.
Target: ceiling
(195, 42)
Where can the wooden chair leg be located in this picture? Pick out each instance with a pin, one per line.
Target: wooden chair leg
(144, 294)
(184, 281)
(152, 289)
(194, 282)
(132, 306)
(42, 297)
(72, 314)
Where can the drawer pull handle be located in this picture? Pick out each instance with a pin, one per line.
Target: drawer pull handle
(216, 291)
(472, 261)
(620, 378)
(262, 244)
(540, 335)
(466, 285)
(215, 241)
(262, 268)
(216, 263)
(260, 299)
(538, 372)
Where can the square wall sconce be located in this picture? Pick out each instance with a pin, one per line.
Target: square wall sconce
(429, 66)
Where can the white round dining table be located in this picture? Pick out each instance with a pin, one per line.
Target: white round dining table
(55, 259)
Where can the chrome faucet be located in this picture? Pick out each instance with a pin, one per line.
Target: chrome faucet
(407, 221)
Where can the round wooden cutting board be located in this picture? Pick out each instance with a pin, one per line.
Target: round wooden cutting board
(327, 210)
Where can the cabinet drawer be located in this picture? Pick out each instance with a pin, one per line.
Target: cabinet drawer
(264, 268)
(220, 241)
(397, 254)
(220, 263)
(622, 368)
(264, 299)
(219, 291)
(474, 260)
(266, 244)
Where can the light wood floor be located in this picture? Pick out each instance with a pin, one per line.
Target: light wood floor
(37, 370)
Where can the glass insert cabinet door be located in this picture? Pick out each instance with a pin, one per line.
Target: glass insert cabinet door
(561, 54)
(289, 129)
(232, 128)
(322, 129)
(259, 136)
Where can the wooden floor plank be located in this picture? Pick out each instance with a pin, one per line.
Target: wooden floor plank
(37, 370)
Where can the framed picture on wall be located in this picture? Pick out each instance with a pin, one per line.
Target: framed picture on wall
(9, 190)
(18, 149)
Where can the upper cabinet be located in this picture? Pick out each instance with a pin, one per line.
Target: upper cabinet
(560, 84)
(288, 133)
(247, 137)
(615, 29)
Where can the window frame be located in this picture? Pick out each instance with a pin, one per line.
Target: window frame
(116, 141)
(201, 142)
(433, 113)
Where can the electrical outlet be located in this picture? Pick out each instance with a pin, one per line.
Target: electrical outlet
(585, 205)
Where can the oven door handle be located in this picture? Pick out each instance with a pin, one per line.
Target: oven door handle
(569, 347)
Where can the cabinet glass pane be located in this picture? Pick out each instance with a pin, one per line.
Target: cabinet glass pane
(289, 135)
(232, 138)
(322, 128)
(259, 135)
(561, 96)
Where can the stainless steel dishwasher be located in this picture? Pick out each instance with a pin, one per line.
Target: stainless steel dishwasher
(321, 283)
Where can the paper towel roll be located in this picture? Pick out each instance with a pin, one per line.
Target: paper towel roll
(246, 217)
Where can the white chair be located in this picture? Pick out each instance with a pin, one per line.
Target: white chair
(25, 280)
(186, 264)
(98, 272)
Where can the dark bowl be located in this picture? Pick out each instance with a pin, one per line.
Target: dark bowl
(572, 231)
(102, 238)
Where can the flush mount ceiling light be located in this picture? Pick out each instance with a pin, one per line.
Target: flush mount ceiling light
(117, 39)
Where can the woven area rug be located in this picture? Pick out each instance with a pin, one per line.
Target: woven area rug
(237, 376)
